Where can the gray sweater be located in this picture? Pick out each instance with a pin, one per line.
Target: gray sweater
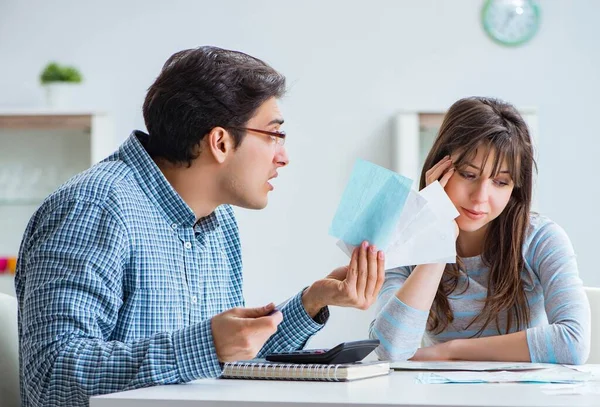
(559, 327)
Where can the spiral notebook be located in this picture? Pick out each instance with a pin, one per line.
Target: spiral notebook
(263, 369)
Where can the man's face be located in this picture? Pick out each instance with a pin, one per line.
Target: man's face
(256, 160)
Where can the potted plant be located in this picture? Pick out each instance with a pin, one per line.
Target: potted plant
(59, 82)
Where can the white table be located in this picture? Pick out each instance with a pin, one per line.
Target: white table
(397, 389)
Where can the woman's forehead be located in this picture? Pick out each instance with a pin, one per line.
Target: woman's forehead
(484, 157)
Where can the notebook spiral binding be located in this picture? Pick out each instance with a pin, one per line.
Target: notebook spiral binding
(289, 371)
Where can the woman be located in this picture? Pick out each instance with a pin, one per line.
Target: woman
(514, 293)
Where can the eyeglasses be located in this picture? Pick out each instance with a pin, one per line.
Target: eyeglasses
(278, 137)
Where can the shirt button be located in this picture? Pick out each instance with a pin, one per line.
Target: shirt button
(194, 299)
(187, 245)
(174, 226)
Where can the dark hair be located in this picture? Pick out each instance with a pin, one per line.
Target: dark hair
(200, 89)
(493, 125)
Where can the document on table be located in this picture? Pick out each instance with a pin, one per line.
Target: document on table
(572, 389)
(556, 374)
(469, 366)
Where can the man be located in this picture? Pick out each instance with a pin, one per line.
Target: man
(129, 274)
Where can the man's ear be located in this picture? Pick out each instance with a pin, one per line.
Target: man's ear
(219, 143)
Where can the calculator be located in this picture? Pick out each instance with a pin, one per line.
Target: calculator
(345, 352)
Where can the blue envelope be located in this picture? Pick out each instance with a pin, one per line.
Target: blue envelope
(371, 205)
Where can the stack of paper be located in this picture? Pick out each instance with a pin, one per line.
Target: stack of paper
(557, 374)
(472, 366)
(589, 387)
(412, 227)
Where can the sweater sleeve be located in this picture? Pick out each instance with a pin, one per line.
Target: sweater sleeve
(566, 339)
(398, 326)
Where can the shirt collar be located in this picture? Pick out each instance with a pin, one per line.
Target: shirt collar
(156, 186)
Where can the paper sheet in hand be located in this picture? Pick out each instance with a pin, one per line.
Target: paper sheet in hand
(429, 238)
(370, 206)
(418, 230)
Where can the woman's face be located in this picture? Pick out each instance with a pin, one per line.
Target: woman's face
(479, 196)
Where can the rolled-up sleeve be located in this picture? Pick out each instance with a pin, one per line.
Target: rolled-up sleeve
(398, 326)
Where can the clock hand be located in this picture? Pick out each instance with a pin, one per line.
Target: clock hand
(508, 20)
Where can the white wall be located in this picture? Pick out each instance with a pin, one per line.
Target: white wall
(350, 66)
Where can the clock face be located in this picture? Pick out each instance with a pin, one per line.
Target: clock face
(510, 22)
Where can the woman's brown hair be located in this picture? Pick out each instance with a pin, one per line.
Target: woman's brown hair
(495, 126)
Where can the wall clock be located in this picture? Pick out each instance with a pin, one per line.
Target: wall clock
(510, 22)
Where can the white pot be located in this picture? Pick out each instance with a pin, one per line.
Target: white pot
(59, 95)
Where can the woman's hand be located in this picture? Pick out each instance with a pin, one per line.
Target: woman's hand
(441, 351)
(442, 172)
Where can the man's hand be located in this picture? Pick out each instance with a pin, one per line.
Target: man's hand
(240, 333)
(355, 285)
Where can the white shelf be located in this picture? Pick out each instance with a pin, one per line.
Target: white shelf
(410, 145)
(48, 112)
(41, 149)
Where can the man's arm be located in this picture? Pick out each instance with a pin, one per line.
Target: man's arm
(69, 285)
(295, 330)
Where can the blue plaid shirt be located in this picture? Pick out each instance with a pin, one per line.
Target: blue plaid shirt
(117, 283)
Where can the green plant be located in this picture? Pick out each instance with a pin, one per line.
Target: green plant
(54, 72)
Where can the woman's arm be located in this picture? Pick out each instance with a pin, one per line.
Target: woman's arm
(401, 318)
(403, 308)
(418, 291)
(566, 339)
(502, 348)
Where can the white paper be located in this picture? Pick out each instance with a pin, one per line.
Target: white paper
(436, 196)
(415, 215)
(557, 374)
(591, 387)
(425, 231)
(346, 248)
(468, 366)
(435, 243)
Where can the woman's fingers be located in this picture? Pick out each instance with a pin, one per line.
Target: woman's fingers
(436, 172)
(446, 177)
(442, 161)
